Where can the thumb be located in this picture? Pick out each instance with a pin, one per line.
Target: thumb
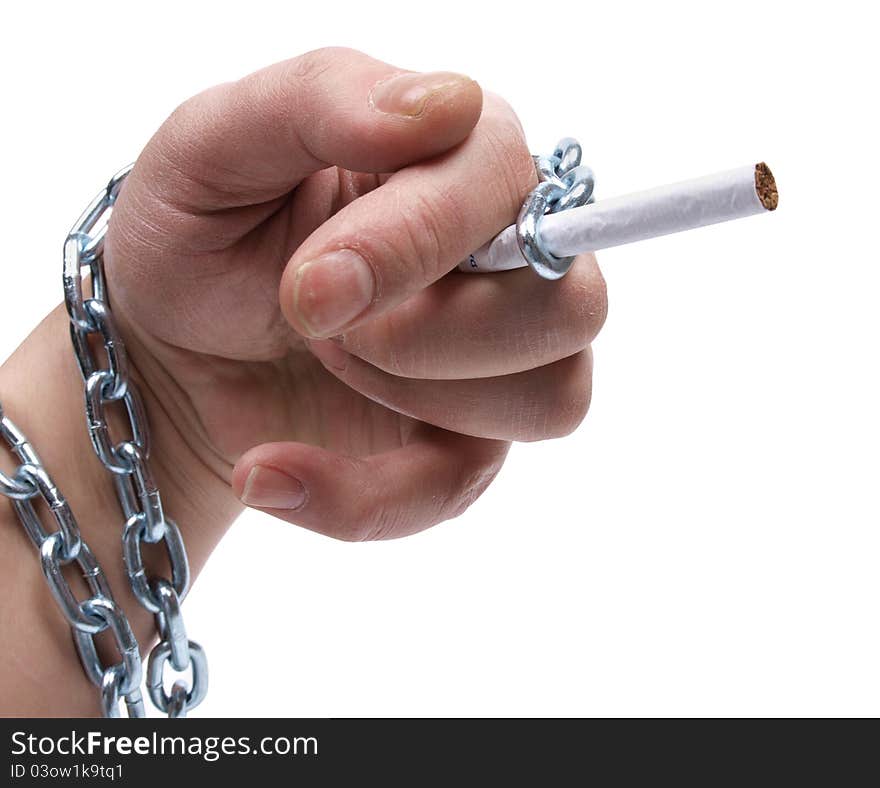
(253, 140)
(385, 496)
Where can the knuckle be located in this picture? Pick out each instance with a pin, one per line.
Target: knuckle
(508, 152)
(176, 142)
(355, 529)
(596, 299)
(568, 400)
(310, 66)
(192, 179)
(471, 485)
(425, 233)
(583, 305)
(426, 222)
(286, 90)
(351, 532)
(354, 514)
(358, 530)
(369, 519)
(499, 108)
(184, 114)
(387, 347)
(377, 523)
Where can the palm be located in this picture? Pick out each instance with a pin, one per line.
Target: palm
(211, 318)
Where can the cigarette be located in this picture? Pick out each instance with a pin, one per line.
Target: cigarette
(733, 194)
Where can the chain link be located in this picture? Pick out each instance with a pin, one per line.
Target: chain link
(564, 183)
(18, 487)
(156, 678)
(71, 541)
(133, 536)
(128, 463)
(59, 549)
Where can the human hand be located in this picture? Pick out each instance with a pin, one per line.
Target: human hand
(280, 259)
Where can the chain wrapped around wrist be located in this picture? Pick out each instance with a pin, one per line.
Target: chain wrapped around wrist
(127, 461)
(60, 548)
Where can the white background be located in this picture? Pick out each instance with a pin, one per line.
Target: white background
(707, 543)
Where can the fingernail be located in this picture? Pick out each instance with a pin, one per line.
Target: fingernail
(272, 489)
(329, 353)
(408, 94)
(331, 291)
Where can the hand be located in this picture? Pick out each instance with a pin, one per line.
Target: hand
(280, 260)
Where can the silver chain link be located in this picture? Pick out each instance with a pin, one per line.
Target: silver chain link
(563, 183)
(127, 461)
(61, 548)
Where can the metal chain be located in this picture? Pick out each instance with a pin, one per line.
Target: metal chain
(564, 183)
(127, 461)
(60, 548)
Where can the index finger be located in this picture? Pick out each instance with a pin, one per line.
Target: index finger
(416, 227)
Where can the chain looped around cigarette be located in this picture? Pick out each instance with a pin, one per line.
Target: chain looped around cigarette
(557, 222)
(564, 183)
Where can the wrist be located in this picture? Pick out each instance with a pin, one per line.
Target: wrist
(42, 393)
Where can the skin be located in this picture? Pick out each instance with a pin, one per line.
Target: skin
(375, 395)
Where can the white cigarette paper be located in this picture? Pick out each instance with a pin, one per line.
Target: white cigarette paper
(732, 194)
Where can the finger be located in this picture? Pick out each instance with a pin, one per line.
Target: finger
(250, 141)
(413, 229)
(389, 495)
(468, 326)
(547, 402)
